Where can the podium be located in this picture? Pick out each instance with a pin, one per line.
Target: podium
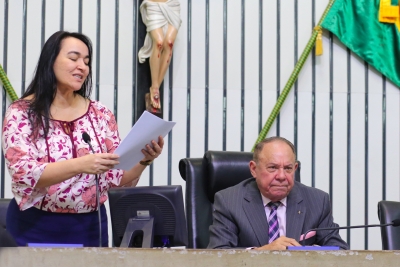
(60, 257)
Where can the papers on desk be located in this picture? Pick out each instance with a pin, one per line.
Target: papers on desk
(148, 127)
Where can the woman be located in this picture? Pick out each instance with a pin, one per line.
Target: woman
(162, 20)
(53, 170)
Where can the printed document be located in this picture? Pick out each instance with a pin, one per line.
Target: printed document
(148, 127)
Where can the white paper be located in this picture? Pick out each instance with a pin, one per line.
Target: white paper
(148, 127)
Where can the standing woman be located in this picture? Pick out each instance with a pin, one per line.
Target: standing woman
(162, 19)
(53, 170)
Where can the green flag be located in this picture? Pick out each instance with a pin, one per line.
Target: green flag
(357, 25)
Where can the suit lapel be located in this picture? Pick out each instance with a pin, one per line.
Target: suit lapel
(255, 212)
(295, 214)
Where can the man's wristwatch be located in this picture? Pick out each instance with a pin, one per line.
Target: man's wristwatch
(146, 162)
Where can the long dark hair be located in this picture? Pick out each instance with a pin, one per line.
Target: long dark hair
(44, 82)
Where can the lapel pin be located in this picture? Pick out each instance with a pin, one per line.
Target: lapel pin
(299, 212)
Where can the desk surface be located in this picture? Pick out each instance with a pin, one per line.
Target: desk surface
(60, 257)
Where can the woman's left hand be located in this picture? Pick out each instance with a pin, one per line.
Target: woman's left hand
(150, 153)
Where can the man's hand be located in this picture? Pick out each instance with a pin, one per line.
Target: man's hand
(280, 244)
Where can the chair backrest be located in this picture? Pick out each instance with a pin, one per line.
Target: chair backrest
(387, 212)
(6, 240)
(204, 177)
(3, 211)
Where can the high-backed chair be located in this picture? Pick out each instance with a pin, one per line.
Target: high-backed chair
(204, 177)
(387, 212)
(6, 240)
(3, 211)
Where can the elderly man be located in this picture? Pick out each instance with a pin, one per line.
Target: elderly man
(271, 211)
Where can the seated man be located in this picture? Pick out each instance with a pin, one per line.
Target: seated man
(271, 211)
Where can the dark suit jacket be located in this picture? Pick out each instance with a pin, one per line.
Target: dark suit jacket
(239, 219)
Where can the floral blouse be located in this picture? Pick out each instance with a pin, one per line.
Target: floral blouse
(27, 158)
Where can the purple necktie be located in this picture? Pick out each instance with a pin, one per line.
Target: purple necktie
(273, 231)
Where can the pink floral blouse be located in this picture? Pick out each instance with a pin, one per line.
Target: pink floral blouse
(26, 158)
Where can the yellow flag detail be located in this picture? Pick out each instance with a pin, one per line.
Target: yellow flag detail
(389, 13)
(318, 41)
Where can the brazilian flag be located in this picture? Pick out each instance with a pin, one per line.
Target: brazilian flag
(371, 29)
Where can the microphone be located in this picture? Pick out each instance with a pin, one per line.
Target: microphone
(86, 138)
(394, 223)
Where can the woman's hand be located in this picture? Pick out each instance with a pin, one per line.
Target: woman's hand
(99, 162)
(150, 153)
(57, 172)
(131, 177)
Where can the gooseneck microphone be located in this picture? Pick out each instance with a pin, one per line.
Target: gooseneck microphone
(86, 139)
(394, 223)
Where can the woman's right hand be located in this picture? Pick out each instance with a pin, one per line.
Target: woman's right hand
(98, 163)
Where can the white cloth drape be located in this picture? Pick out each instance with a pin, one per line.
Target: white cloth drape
(158, 15)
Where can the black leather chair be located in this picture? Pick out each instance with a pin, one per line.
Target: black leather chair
(3, 211)
(6, 239)
(387, 212)
(204, 177)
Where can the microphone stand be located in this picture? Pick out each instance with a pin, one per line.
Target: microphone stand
(345, 227)
(86, 139)
(98, 209)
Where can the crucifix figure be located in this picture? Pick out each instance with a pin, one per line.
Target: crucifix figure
(162, 20)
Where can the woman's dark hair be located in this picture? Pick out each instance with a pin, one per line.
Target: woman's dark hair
(44, 84)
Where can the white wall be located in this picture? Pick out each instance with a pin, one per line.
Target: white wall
(313, 150)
